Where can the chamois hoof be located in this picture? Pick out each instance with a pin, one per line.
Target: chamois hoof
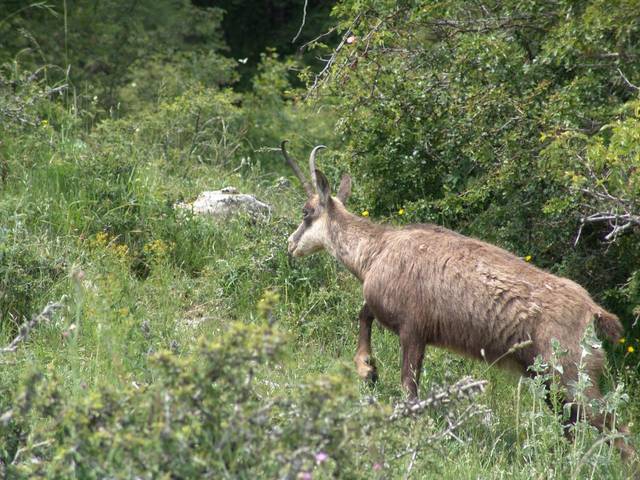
(366, 369)
(372, 377)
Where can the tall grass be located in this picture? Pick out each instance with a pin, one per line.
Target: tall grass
(159, 362)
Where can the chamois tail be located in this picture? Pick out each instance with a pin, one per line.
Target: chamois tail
(608, 326)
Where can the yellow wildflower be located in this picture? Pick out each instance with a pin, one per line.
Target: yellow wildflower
(623, 340)
(365, 213)
(158, 248)
(527, 258)
(120, 249)
(44, 123)
(630, 349)
(401, 211)
(101, 239)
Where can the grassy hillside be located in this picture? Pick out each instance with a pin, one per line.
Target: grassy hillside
(160, 307)
(184, 347)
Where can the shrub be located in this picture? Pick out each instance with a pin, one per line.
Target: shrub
(495, 122)
(211, 413)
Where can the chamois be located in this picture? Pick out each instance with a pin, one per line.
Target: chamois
(432, 286)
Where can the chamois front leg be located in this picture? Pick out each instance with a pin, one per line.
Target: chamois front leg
(412, 356)
(365, 365)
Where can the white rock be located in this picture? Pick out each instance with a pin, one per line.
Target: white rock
(226, 202)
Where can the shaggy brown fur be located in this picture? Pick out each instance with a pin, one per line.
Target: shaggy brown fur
(436, 287)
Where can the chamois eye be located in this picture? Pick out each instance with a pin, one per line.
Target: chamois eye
(305, 212)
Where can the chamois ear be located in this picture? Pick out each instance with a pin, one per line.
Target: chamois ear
(322, 185)
(344, 190)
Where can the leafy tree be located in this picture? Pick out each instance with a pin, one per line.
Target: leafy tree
(505, 120)
(115, 50)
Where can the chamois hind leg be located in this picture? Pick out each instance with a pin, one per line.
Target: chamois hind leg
(412, 355)
(365, 365)
(605, 423)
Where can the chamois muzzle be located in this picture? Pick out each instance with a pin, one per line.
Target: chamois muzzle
(293, 242)
(291, 247)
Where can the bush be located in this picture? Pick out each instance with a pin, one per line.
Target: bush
(210, 413)
(221, 409)
(108, 51)
(479, 118)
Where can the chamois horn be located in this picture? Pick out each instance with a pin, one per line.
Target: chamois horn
(312, 165)
(296, 169)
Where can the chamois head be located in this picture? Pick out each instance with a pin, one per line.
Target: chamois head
(310, 236)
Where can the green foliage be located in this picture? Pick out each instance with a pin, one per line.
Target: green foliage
(27, 274)
(221, 410)
(108, 50)
(201, 124)
(204, 414)
(601, 179)
(493, 119)
(507, 121)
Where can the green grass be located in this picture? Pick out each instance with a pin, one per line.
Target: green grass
(90, 221)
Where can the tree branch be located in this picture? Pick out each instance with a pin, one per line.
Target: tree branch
(304, 19)
(627, 82)
(26, 327)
